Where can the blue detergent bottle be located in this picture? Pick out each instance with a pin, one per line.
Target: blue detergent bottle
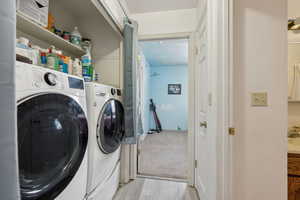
(87, 68)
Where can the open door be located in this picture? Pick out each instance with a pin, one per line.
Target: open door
(206, 117)
(202, 139)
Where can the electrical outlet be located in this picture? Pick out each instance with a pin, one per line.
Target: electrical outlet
(259, 99)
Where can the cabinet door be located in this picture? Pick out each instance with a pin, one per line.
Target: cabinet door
(115, 10)
(293, 188)
(291, 195)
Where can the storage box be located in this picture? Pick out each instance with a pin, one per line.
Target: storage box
(36, 10)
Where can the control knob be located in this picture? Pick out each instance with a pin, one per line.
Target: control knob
(113, 91)
(50, 79)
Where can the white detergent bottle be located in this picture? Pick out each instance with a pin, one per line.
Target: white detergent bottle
(76, 37)
(77, 67)
(70, 66)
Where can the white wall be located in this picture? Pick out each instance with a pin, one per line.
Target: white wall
(294, 107)
(9, 186)
(294, 56)
(260, 144)
(166, 22)
(145, 90)
(294, 114)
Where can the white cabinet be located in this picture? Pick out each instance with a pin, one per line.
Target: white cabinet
(116, 12)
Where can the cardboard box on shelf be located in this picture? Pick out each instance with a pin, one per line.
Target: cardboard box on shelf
(36, 10)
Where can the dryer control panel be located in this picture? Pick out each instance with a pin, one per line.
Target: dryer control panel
(76, 83)
(115, 92)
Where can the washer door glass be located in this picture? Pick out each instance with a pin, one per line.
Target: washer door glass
(110, 128)
(52, 140)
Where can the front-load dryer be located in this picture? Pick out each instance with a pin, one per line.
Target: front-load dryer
(106, 132)
(52, 134)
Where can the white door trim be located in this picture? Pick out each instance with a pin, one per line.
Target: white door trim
(191, 109)
(225, 97)
(230, 98)
(131, 151)
(225, 111)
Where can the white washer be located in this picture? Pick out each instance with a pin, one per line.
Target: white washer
(106, 129)
(52, 134)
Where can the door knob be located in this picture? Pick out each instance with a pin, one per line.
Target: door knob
(203, 124)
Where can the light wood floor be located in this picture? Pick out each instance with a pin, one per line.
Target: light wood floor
(151, 189)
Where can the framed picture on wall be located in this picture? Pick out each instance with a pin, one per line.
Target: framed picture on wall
(174, 89)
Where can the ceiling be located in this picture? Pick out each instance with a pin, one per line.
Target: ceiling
(166, 52)
(143, 6)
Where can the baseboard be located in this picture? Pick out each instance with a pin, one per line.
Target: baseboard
(162, 178)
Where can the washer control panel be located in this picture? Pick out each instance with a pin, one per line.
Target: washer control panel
(39, 79)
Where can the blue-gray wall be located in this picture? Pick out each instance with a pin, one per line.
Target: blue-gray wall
(171, 109)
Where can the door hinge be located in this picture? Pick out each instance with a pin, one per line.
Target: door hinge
(196, 164)
(231, 131)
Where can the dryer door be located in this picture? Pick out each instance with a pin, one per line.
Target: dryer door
(110, 127)
(52, 141)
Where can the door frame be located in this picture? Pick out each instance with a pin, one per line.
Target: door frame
(222, 17)
(225, 13)
(130, 151)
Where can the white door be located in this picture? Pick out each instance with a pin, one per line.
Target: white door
(205, 115)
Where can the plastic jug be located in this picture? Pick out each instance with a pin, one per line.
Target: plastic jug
(76, 37)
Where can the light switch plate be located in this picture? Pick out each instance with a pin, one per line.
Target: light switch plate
(259, 99)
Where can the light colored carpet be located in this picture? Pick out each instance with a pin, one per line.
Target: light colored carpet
(164, 155)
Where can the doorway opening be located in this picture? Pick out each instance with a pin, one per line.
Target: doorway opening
(163, 148)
